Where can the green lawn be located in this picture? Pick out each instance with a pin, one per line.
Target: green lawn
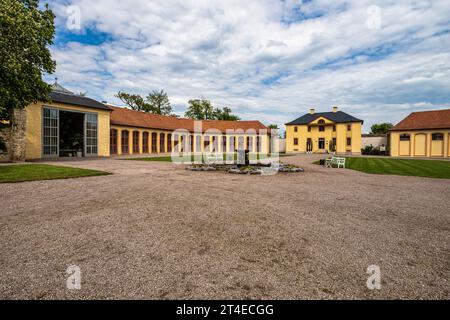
(169, 158)
(403, 167)
(33, 172)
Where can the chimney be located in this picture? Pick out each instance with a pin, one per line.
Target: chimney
(335, 109)
(312, 111)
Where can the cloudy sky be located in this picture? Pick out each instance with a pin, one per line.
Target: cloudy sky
(270, 60)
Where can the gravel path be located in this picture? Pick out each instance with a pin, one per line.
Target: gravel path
(153, 230)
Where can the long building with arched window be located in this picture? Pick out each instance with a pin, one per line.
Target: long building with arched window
(73, 125)
(422, 134)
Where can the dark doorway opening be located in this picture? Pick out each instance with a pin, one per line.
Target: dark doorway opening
(71, 134)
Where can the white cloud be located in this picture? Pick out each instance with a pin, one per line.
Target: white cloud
(270, 60)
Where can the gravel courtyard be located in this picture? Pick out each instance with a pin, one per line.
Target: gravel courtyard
(153, 230)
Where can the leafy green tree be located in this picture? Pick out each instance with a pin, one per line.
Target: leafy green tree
(26, 31)
(225, 114)
(273, 126)
(134, 101)
(157, 102)
(381, 128)
(202, 109)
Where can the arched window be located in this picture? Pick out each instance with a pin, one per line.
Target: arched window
(437, 137)
(125, 140)
(321, 121)
(176, 146)
(206, 143)
(113, 141)
(162, 142)
(405, 137)
(154, 142)
(250, 144)
(224, 144)
(232, 145)
(169, 142)
(198, 143)
(295, 129)
(135, 141)
(145, 142)
(241, 143)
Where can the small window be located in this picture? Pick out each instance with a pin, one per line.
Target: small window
(437, 137)
(309, 129)
(295, 129)
(295, 141)
(321, 121)
(349, 141)
(405, 137)
(334, 128)
(349, 127)
(321, 128)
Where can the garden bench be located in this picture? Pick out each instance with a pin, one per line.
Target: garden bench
(335, 161)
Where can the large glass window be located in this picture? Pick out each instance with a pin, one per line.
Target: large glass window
(50, 132)
(125, 141)
(91, 134)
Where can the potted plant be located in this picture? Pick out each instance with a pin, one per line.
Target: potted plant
(77, 143)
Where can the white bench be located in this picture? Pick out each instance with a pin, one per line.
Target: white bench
(335, 161)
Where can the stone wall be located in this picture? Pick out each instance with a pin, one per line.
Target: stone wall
(5, 135)
(14, 138)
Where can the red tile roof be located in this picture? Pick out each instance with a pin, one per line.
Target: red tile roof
(436, 119)
(127, 117)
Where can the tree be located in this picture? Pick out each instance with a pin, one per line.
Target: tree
(159, 102)
(225, 114)
(25, 34)
(26, 31)
(202, 109)
(381, 128)
(156, 102)
(273, 126)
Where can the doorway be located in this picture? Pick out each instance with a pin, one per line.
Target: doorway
(69, 133)
(321, 143)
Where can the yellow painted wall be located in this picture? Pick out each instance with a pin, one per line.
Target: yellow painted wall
(34, 128)
(420, 144)
(340, 134)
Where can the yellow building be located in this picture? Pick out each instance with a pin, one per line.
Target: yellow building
(76, 126)
(422, 134)
(335, 131)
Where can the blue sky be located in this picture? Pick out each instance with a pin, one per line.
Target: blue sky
(269, 60)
